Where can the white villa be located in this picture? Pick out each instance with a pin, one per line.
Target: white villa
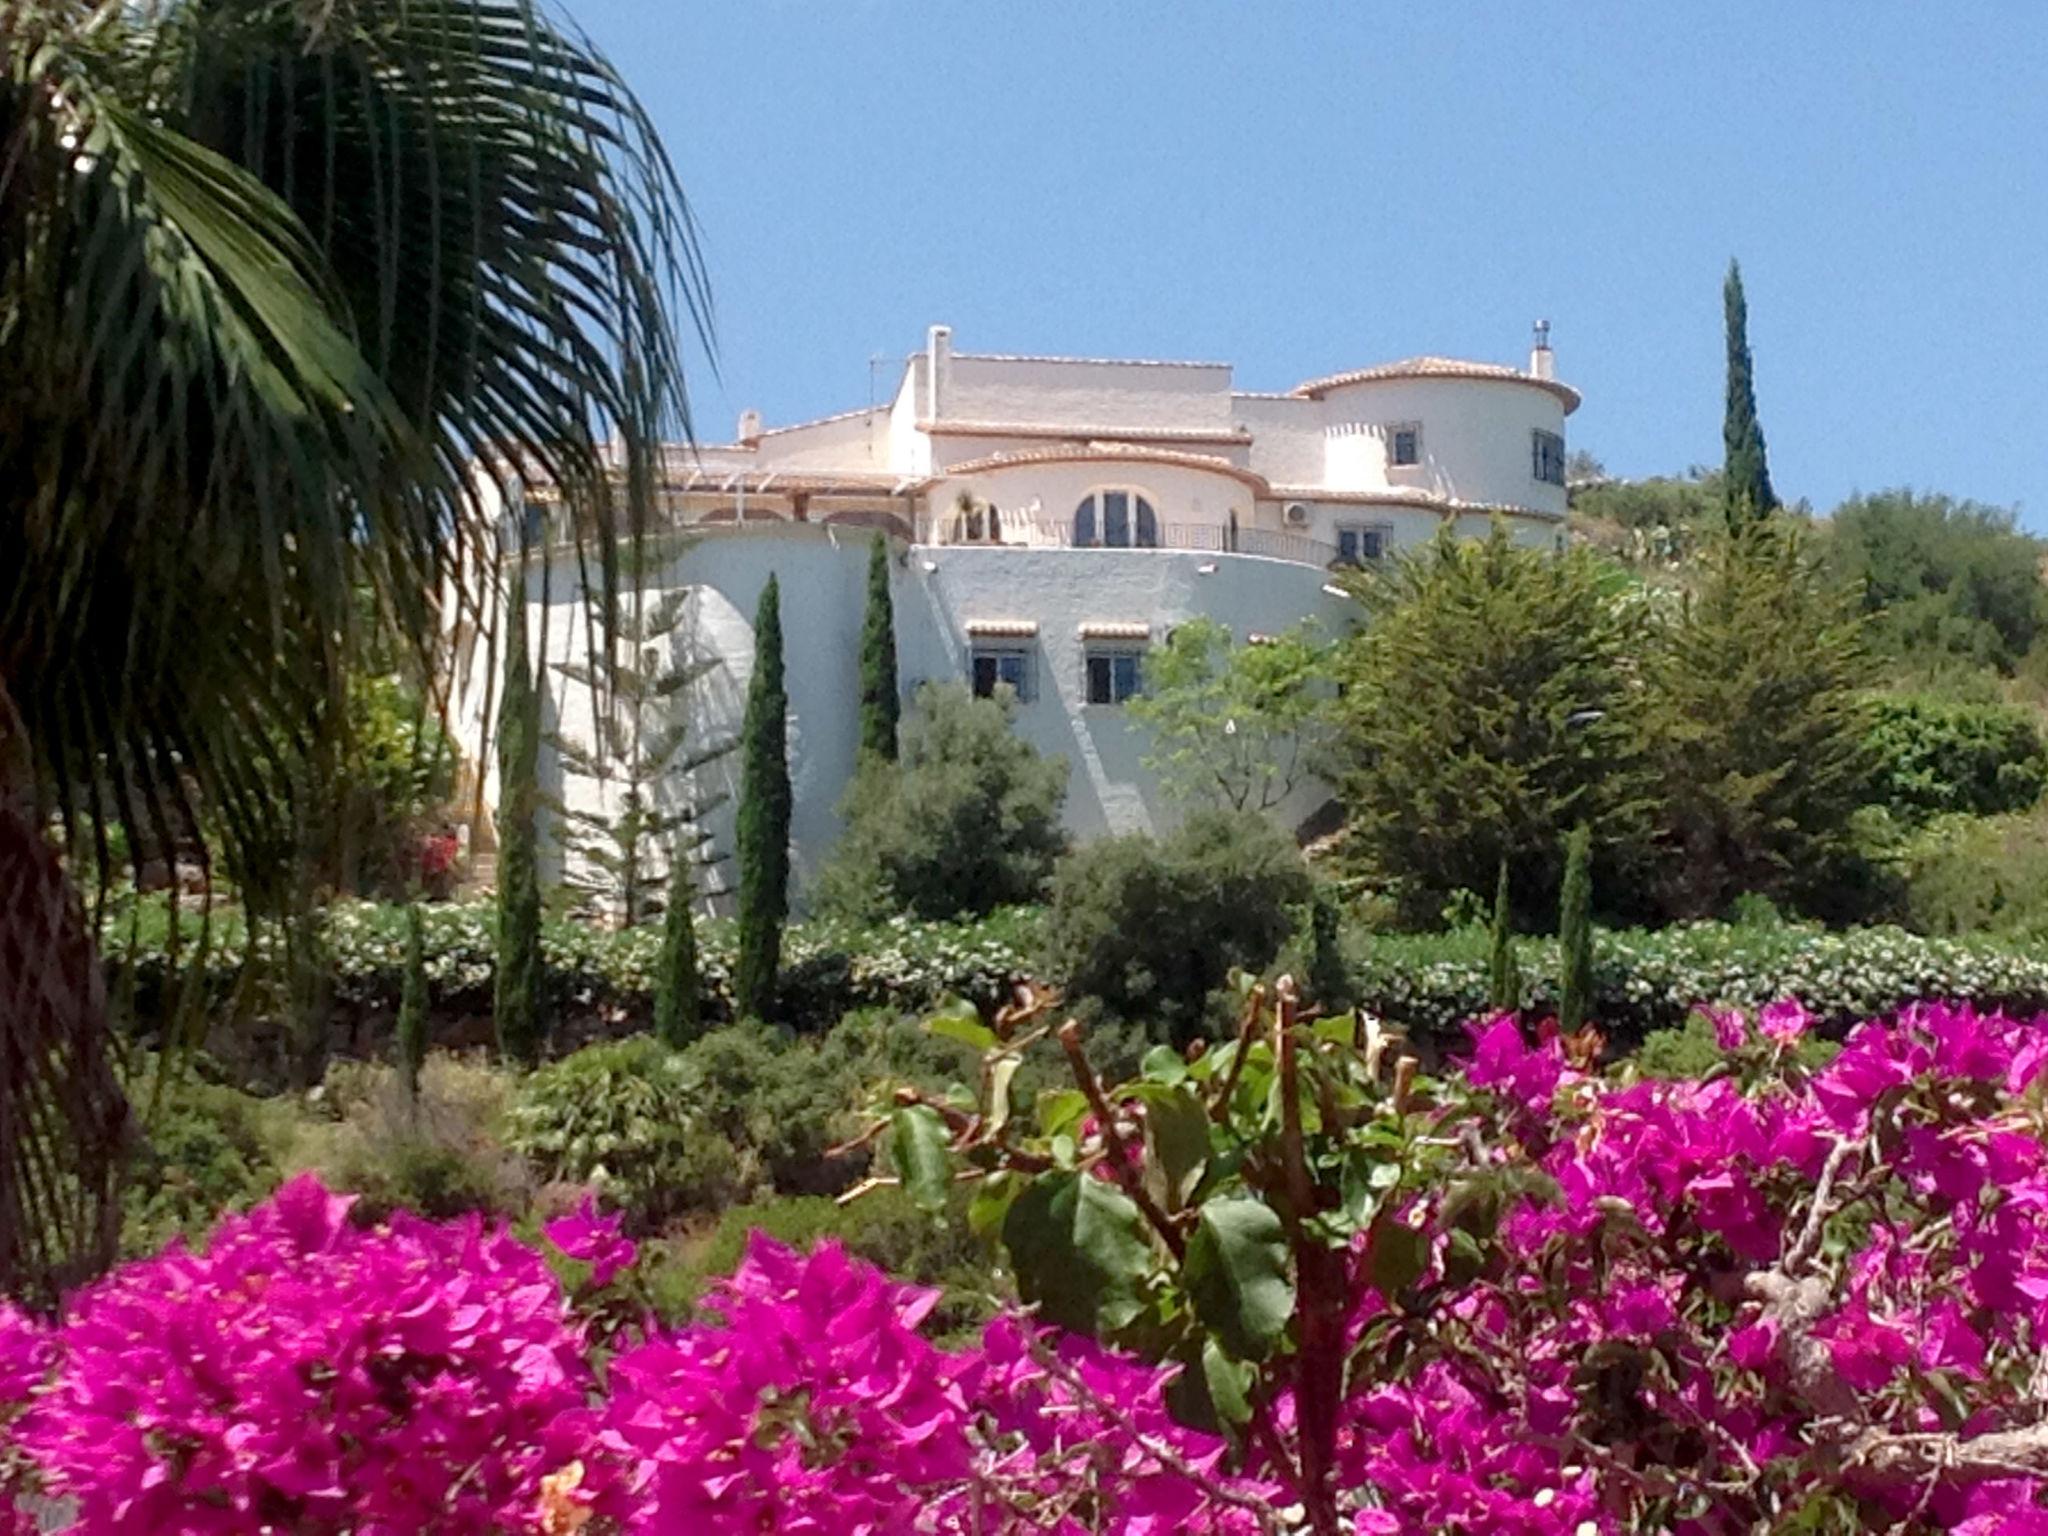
(1053, 517)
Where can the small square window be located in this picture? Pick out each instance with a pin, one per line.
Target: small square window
(1114, 676)
(994, 665)
(1361, 544)
(1546, 457)
(1404, 444)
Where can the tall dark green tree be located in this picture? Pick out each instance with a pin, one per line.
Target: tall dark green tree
(1503, 971)
(1490, 703)
(1746, 476)
(1761, 717)
(881, 702)
(678, 991)
(412, 1006)
(519, 1007)
(1329, 978)
(763, 834)
(1575, 932)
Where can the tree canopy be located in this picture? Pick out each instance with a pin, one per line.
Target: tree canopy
(1941, 578)
(1489, 702)
(966, 820)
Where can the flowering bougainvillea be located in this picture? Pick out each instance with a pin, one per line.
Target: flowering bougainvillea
(1775, 1299)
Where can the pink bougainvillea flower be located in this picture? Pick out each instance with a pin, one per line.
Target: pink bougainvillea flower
(1784, 1021)
(594, 1239)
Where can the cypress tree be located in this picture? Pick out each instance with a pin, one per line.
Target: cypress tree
(1329, 982)
(1504, 973)
(412, 1006)
(1746, 474)
(518, 1011)
(881, 704)
(1575, 932)
(763, 833)
(678, 997)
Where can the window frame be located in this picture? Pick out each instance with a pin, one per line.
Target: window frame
(996, 652)
(1383, 532)
(1110, 653)
(1139, 510)
(1395, 429)
(1541, 439)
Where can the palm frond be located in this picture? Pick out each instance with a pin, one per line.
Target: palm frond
(288, 292)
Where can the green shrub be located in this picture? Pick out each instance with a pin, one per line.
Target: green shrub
(1966, 875)
(626, 1117)
(965, 821)
(1691, 1051)
(442, 1152)
(1941, 576)
(885, 1227)
(1938, 755)
(1149, 927)
(830, 968)
(771, 1102)
(208, 1149)
(1644, 981)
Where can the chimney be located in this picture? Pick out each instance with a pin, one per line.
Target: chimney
(1542, 361)
(750, 427)
(938, 369)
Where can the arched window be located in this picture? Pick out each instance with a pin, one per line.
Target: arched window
(1118, 519)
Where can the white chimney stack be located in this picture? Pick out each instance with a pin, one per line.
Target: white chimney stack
(1542, 361)
(750, 426)
(938, 369)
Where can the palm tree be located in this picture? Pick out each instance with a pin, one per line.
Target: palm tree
(292, 292)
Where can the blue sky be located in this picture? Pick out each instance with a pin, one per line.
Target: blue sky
(1298, 188)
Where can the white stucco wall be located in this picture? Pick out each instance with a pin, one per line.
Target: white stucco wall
(1179, 495)
(1087, 394)
(1475, 439)
(1109, 790)
(938, 593)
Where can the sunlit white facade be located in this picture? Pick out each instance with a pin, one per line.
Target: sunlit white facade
(1050, 518)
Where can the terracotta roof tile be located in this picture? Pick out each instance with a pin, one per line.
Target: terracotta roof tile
(1438, 368)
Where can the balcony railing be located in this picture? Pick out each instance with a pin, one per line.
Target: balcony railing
(1014, 531)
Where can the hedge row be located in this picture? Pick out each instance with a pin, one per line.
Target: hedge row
(1647, 980)
(1643, 980)
(828, 968)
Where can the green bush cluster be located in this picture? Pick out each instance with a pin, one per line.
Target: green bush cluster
(1149, 927)
(206, 1148)
(885, 1227)
(1645, 981)
(1967, 874)
(829, 968)
(744, 1112)
(1936, 756)
(965, 821)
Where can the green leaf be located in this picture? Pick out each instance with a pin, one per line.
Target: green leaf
(1078, 1247)
(1398, 1256)
(1000, 1074)
(919, 1146)
(990, 1206)
(1061, 1110)
(1364, 1180)
(1163, 1064)
(962, 1021)
(1464, 1258)
(1236, 1272)
(1176, 1141)
(1212, 1393)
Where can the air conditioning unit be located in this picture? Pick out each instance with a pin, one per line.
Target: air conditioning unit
(1296, 514)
